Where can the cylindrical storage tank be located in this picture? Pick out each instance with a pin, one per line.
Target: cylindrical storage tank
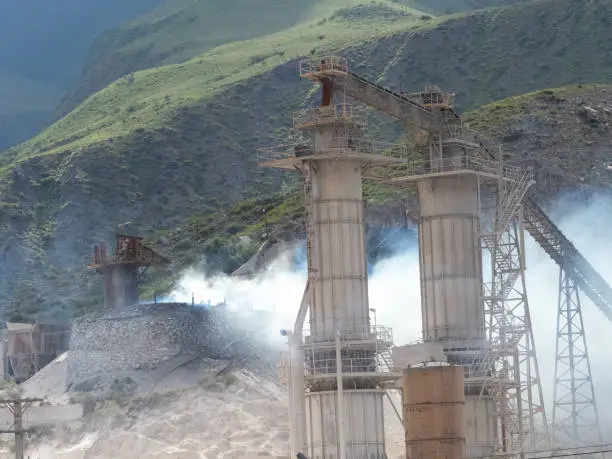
(364, 431)
(339, 253)
(434, 419)
(451, 260)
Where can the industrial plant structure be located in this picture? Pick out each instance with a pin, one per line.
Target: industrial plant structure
(472, 206)
(342, 350)
(123, 269)
(28, 347)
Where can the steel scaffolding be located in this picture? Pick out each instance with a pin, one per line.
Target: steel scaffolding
(575, 418)
(514, 381)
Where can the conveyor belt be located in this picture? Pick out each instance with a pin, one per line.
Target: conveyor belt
(537, 223)
(388, 102)
(564, 253)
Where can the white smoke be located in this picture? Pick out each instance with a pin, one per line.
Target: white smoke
(277, 290)
(394, 294)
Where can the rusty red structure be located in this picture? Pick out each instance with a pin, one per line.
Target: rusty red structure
(123, 269)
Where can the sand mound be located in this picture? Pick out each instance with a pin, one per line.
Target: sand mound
(182, 410)
(50, 382)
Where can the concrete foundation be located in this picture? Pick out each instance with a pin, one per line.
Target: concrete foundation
(480, 426)
(414, 354)
(363, 424)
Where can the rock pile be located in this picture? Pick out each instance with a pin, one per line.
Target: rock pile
(106, 343)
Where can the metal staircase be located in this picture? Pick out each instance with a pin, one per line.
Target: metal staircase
(513, 199)
(562, 251)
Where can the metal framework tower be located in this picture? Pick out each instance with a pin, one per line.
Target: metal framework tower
(514, 381)
(575, 419)
(123, 270)
(470, 202)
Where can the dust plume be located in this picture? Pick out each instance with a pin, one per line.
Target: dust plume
(394, 291)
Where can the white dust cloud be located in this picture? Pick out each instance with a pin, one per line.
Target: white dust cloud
(394, 293)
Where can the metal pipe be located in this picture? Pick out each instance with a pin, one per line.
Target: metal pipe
(340, 407)
(290, 389)
(399, 416)
(296, 383)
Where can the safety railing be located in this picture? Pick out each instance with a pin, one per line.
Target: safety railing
(433, 97)
(367, 146)
(326, 65)
(455, 129)
(277, 152)
(477, 355)
(362, 350)
(463, 163)
(337, 146)
(318, 115)
(382, 336)
(315, 366)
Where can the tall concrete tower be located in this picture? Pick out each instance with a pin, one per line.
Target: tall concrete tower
(343, 352)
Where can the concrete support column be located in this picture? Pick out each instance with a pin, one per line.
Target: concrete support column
(450, 259)
(120, 286)
(339, 258)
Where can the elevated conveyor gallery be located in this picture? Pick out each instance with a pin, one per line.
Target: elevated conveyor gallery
(537, 223)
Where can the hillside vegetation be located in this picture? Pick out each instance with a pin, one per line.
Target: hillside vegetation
(182, 29)
(442, 7)
(563, 133)
(172, 147)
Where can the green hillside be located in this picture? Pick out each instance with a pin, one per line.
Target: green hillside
(162, 145)
(442, 7)
(183, 29)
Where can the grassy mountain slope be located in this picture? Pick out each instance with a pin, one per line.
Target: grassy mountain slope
(564, 134)
(482, 56)
(440, 7)
(150, 98)
(172, 142)
(182, 29)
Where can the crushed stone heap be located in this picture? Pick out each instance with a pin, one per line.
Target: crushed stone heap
(104, 344)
